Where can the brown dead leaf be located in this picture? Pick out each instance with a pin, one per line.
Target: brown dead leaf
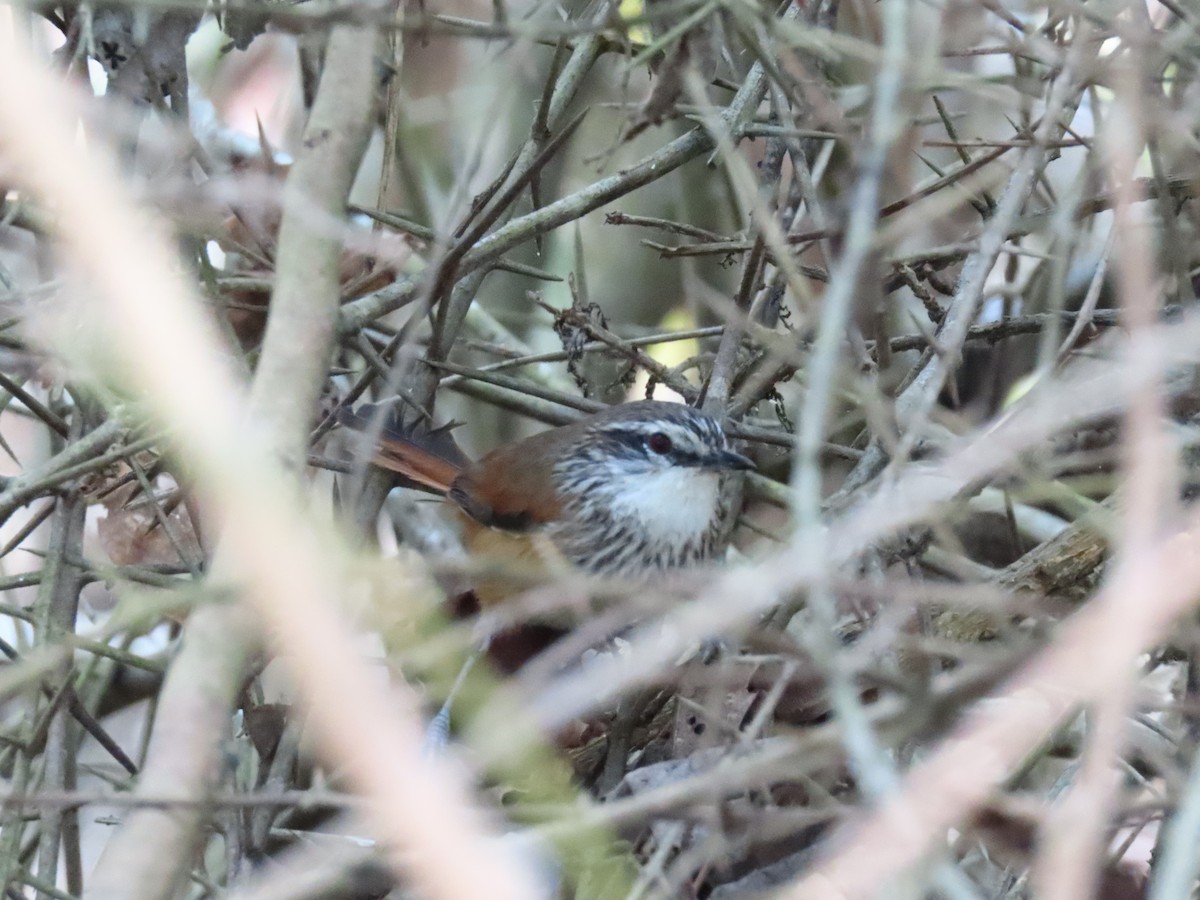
(132, 534)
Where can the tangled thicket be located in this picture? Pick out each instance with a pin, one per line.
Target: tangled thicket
(933, 262)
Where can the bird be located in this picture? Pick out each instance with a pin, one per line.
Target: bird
(626, 493)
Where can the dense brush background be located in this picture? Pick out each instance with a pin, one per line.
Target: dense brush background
(935, 260)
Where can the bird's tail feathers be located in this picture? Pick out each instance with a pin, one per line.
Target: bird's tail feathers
(423, 455)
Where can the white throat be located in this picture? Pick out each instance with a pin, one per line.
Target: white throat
(674, 505)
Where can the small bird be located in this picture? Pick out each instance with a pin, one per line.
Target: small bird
(625, 493)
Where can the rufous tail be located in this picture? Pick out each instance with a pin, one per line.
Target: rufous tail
(424, 456)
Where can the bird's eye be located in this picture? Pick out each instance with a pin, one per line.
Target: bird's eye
(659, 442)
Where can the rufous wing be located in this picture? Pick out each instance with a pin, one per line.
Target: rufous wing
(512, 488)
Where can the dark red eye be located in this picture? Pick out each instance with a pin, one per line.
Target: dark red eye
(659, 442)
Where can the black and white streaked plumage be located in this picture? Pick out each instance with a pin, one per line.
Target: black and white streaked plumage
(641, 490)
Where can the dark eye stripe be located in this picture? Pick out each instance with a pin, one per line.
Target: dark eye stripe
(682, 431)
(627, 440)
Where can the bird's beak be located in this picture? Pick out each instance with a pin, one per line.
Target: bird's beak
(727, 459)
